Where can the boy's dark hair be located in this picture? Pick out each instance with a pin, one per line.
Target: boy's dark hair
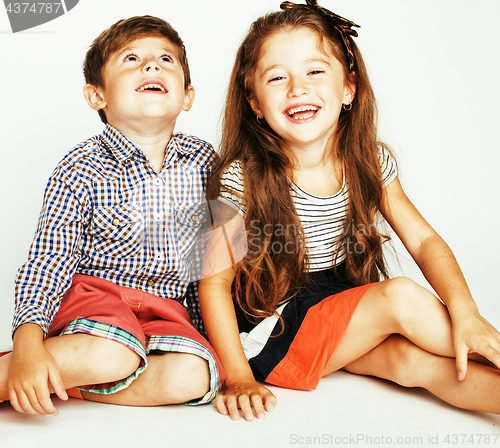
(121, 34)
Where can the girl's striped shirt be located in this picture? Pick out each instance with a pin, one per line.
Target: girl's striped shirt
(322, 218)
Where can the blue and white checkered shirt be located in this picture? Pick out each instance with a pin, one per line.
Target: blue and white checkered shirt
(108, 214)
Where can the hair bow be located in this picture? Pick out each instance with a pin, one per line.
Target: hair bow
(344, 26)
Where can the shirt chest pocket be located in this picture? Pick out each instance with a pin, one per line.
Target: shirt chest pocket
(118, 231)
(190, 222)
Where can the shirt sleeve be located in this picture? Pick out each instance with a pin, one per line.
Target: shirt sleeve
(388, 166)
(232, 187)
(53, 258)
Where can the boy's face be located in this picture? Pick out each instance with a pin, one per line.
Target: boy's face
(144, 86)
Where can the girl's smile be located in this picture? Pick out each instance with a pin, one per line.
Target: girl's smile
(301, 113)
(299, 88)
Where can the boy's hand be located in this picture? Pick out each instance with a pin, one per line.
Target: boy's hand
(32, 373)
(244, 396)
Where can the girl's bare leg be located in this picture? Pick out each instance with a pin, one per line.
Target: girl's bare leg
(399, 360)
(395, 306)
(170, 378)
(402, 332)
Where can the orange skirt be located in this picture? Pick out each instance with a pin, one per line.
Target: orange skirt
(294, 355)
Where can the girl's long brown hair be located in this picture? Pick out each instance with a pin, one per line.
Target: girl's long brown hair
(270, 269)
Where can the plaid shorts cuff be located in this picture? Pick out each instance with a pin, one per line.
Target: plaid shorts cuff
(184, 345)
(108, 331)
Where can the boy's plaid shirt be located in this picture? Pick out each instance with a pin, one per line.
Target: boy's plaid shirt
(108, 214)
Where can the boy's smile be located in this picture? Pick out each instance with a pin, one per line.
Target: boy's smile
(144, 86)
(299, 88)
(152, 86)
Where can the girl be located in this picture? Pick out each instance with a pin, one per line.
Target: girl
(301, 160)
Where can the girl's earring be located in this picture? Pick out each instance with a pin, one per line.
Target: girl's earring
(260, 120)
(347, 107)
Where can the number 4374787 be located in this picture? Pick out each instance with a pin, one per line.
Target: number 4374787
(26, 8)
(471, 439)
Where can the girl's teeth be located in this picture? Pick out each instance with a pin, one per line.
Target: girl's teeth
(297, 110)
(302, 110)
(303, 117)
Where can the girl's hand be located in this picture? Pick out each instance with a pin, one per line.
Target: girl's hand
(31, 374)
(473, 334)
(244, 396)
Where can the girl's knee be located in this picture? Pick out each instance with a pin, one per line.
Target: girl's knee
(406, 361)
(408, 301)
(399, 287)
(396, 359)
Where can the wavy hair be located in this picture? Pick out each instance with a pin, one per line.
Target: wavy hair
(266, 277)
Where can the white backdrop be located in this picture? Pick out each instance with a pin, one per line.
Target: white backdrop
(434, 65)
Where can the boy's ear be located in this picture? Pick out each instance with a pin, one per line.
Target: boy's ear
(188, 98)
(254, 104)
(94, 97)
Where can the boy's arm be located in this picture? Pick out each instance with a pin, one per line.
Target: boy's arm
(40, 285)
(33, 374)
(54, 255)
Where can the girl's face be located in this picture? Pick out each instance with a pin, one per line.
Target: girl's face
(299, 89)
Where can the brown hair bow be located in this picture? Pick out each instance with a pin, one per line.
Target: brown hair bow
(344, 26)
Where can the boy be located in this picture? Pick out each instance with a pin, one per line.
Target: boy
(110, 263)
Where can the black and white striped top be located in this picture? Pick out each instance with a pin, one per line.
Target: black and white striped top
(322, 218)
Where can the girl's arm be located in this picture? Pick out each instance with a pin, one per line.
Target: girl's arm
(242, 391)
(471, 332)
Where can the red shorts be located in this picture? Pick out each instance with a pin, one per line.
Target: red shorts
(137, 319)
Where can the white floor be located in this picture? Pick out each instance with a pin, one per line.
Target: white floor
(345, 410)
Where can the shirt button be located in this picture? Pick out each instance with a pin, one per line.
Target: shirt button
(116, 221)
(151, 282)
(195, 218)
(158, 181)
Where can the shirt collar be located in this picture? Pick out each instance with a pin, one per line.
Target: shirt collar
(177, 148)
(120, 146)
(123, 149)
